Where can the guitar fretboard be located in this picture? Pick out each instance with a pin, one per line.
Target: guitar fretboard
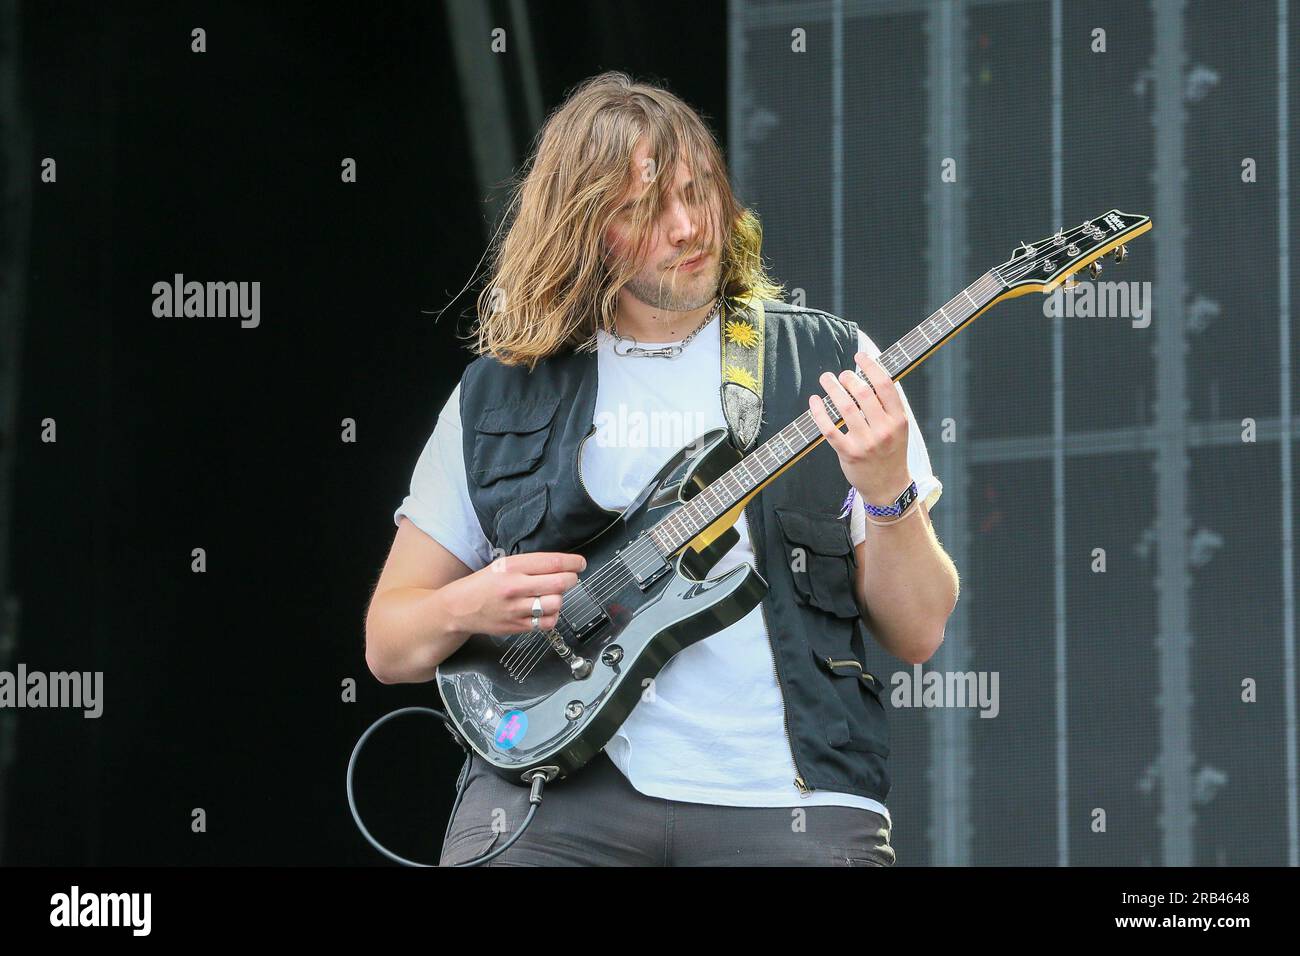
(797, 438)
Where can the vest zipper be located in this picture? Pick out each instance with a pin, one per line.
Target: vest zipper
(581, 445)
(800, 784)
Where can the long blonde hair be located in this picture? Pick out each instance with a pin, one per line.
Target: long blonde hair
(551, 280)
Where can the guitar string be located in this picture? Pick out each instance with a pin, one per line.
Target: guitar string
(986, 279)
(523, 672)
(528, 652)
(642, 562)
(617, 578)
(990, 283)
(994, 278)
(524, 654)
(608, 573)
(615, 574)
(593, 590)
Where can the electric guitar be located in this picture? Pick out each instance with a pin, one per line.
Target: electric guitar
(549, 701)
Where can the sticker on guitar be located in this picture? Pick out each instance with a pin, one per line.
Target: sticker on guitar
(511, 730)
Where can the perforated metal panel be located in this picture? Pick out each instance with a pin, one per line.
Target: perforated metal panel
(1159, 443)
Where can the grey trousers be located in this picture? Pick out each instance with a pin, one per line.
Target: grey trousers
(597, 818)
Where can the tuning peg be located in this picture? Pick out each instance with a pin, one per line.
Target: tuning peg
(1069, 283)
(1095, 268)
(1121, 253)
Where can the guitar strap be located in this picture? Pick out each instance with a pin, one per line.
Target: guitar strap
(741, 338)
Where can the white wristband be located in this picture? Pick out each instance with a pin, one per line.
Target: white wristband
(916, 506)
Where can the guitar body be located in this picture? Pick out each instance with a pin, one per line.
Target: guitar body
(518, 704)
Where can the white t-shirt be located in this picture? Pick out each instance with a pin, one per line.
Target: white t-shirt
(713, 731)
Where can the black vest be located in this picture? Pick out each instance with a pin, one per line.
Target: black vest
(523, 433)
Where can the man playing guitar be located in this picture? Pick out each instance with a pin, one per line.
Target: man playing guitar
(625, 240)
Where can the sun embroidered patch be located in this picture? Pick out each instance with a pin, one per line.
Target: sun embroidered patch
(740, 332)
(741, 376)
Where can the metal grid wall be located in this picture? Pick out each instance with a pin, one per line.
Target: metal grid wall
(1120, 692)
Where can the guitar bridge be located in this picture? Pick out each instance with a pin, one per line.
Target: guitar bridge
(528, 649)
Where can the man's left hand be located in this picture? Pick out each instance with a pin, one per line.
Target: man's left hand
(873, 449)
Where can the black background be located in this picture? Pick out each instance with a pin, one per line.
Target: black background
(223, 690)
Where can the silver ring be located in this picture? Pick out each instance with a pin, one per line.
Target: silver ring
(537, 613)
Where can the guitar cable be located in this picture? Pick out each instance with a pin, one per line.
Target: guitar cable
(534, 796)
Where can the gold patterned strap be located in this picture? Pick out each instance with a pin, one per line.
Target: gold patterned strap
(741, 339)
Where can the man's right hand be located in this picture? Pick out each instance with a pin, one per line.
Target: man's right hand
(498, 599)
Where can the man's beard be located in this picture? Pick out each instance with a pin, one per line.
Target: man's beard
(686, 294)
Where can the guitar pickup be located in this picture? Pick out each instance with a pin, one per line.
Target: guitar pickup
(650, 577)
(643, 559)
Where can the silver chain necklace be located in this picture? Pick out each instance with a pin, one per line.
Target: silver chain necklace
(671, 351)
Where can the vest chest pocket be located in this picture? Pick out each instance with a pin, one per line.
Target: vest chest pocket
(820, 557)
(510, 439)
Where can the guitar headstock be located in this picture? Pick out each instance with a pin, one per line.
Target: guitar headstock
(1045, 264)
